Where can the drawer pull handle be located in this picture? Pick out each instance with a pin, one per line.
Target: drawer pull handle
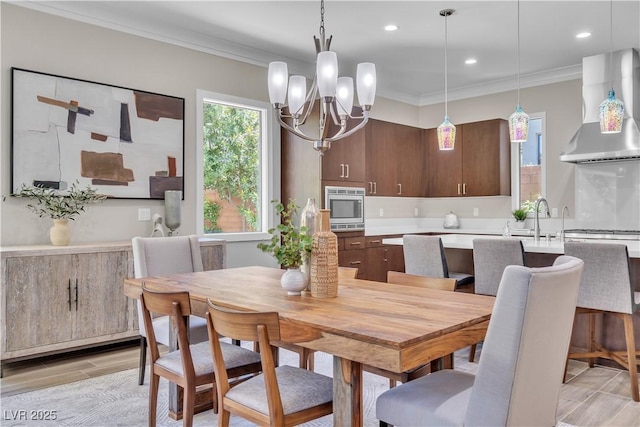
(355, 262)
(69, 291)
(355, 243)
(375, 241)
(347, 171)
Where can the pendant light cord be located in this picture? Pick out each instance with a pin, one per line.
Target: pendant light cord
(446, 17)
(322, 18)
(611, 44)
(518, 37)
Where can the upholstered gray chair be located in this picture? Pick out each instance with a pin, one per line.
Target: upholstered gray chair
(606, 287)
(425, 256)
(490, 258)
(160, 256)
(520, 371)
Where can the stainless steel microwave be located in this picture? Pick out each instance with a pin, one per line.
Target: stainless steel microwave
(347, 207)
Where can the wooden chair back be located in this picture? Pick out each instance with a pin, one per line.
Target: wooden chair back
(399, 278)
(347, 272)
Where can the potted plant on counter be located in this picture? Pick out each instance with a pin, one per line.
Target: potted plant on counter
(60, 207)
(289, 245)
(520, 216)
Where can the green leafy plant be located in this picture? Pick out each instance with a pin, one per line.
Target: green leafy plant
(58, 205)
(520, 214)
(289, 244)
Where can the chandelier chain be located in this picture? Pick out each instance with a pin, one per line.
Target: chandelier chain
(322, 18)
(611, 43)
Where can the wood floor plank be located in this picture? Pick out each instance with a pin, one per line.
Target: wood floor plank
(628, 416)
(585, 384)
(10, 388)
(619, 385)
(598, 410)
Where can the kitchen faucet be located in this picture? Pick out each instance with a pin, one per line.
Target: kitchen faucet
(536, 230)
(562, 232)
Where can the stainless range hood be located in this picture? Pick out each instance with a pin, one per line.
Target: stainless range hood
(588, 144)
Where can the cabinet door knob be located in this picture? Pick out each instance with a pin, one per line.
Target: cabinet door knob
(347, 171)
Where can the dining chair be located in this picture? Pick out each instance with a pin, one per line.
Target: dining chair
(399, 278)
(191, 365)
(606, 287)
(280, 396)
(425, 256)
(490, 258)
(520, 372)
(161, 256)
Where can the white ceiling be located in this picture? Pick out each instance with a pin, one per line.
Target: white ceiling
(410, 61)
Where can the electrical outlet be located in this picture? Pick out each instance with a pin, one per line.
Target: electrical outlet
(144, 214)
(554, 212)
(381, 212)
(476, 211)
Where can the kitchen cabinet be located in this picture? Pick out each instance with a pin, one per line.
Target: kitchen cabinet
(394, 160)
(479, 164)
(351, 251)
(344, 161)
(59, 298)
(382, 258)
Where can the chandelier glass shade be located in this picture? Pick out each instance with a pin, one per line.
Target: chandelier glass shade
(611, 109)
(447, 130)
(293, 103)
(519, 120)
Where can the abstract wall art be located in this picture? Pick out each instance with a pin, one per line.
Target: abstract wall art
(127, 143)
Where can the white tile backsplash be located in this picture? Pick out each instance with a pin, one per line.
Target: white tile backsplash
(608, 195)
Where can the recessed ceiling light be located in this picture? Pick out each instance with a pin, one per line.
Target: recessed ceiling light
(470, 61)
(391, 27)
(583, 35)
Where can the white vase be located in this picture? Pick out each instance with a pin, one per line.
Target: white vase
(60, 233)
(293, 281)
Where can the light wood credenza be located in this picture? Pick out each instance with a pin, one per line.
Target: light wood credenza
(61, 298)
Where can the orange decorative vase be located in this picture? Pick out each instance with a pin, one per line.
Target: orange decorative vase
(324, 260)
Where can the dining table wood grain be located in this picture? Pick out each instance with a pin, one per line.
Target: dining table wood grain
(389, 326)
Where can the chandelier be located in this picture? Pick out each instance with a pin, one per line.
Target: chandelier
(335, 94)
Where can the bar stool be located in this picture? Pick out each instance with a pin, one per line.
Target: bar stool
(490, 258)
(425, 256)
(606, 287)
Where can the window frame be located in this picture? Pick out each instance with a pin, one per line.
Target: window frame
(269, 164)
(515, 165)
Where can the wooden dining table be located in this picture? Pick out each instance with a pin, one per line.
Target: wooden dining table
(392, 327)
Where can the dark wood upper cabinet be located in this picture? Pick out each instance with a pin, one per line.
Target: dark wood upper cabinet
(479, 164)
(345, 160)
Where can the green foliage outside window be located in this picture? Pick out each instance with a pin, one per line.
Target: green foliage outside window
(232, 139)
(211, 215)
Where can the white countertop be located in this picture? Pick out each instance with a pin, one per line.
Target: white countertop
(465, 241)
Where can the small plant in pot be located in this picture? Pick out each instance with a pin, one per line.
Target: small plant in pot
(59, 206)
(289, 245)
(520, 216)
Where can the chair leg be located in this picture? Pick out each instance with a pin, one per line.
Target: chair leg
(223, 418)
(310, 359)
(472, 352)
(143, 360)
(189, 401)
(383, 424)
(154, 382)
(631, 356)
(392, 384)
(592, 338)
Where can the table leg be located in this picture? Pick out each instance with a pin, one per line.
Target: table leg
(347, 393)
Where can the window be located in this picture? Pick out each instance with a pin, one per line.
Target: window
(528, 166)
(235, 161)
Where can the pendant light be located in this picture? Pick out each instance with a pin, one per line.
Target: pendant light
(611, 109)
(519, 120)
(446, 130)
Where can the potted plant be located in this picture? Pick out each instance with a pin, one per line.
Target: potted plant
(520, 216)
(290, 246)
(59, 206)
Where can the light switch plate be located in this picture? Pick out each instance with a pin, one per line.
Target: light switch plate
(144, 214)
(554, 212)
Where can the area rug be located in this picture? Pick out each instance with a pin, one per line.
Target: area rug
(117, 400)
